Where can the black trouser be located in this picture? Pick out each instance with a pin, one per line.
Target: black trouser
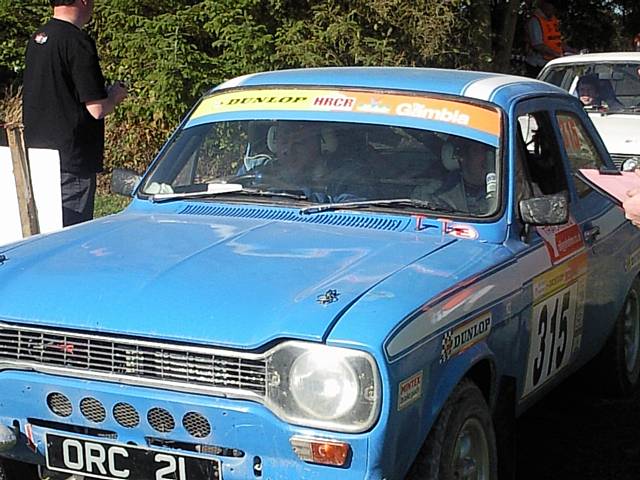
(78, 194)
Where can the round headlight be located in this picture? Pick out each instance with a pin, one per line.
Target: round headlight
(323, 387)
(630, 164)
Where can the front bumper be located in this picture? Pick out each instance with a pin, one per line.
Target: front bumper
(247, 439)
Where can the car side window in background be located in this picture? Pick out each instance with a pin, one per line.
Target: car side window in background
(622, 80)
(561, 76)
(541, 153)
(579, 147)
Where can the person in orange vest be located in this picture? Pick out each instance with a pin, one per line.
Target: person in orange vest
(636, 42)
(544, 38)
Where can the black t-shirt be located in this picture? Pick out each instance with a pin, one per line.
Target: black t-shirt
(62, 73)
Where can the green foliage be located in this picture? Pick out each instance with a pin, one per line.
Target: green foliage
(375, 32)
(581, 29)
(159, 59)
(239, 39)
(17, 23)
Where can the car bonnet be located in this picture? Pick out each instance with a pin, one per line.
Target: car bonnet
(238, 282)
(619, 131)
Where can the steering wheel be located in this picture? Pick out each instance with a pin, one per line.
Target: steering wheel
(255, 161)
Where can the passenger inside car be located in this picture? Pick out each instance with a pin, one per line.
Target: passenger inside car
(469, 186)
(476, 189)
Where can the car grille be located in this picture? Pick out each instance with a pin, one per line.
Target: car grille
(161, 420)
(93, 410)
(126, 415)
(134, 361)
(196, 424)
(59, 404)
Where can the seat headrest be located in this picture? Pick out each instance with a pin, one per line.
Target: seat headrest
(448, 157)
(271, 139)
(328, 140)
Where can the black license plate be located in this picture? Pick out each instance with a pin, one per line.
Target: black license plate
(114, 461)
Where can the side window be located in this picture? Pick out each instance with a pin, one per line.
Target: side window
(580, 149)
(541, 154)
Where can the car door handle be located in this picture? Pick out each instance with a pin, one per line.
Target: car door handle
(591, 234)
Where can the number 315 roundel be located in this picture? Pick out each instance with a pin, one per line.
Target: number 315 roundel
(556, 321)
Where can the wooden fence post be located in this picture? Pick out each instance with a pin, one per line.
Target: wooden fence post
(22, 174)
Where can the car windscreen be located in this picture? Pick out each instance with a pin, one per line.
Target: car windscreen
(616, 83)
(311, 161)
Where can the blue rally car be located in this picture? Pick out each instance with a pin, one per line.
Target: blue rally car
(358, 273)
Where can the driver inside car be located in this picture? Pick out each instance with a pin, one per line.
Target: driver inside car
(305, 158)
(298, 152)
(289, 151)
(286, 155)
(591, 94)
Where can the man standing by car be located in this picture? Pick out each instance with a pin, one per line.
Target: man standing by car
(65, 102)
(544, 38)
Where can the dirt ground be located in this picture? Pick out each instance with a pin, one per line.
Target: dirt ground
(571, 435)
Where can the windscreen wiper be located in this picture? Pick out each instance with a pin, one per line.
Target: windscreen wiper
(392, 203)
(217, 189)
(295, 194)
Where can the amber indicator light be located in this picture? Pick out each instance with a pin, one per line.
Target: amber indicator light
(323, 452)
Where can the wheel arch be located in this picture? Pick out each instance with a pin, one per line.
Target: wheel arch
(483, 374)
(477, 366)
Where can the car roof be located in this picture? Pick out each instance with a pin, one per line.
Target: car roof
(604, 57)
(493, 87)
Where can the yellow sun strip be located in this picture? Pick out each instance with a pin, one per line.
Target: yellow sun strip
(456, 113)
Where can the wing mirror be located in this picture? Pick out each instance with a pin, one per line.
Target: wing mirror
(545, 210)
(124, 181)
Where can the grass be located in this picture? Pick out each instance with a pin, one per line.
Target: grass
(108, 203)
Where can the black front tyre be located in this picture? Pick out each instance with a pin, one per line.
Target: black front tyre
(461, 444)
(620, 362)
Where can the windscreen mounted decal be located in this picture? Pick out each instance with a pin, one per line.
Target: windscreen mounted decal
(481, 118)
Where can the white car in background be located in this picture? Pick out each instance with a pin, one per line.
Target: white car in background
(618, 74)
